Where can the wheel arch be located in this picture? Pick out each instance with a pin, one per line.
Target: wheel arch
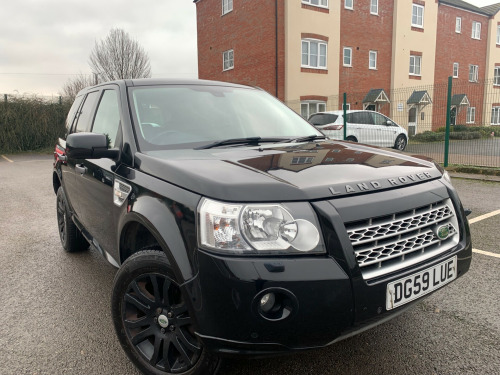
(56, 182)
(137, 232)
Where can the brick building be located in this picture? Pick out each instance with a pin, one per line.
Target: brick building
(309, 52)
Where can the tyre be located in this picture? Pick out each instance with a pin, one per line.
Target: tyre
(152, 320)
(351, 139)
(400, 143)
(72, 239)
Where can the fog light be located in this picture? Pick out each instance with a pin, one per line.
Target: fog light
(275, 304)
(267, 302)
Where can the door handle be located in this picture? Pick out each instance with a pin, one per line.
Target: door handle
(80, 168)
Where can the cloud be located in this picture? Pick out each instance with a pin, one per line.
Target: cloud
(52, 39)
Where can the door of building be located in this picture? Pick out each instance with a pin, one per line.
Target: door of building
(412, 121)
(453, 116)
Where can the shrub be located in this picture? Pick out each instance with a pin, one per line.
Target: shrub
(30, 124)
(465, 135)
(484, 131)
(428, 136)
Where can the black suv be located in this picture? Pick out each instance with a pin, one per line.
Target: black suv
(238, 228)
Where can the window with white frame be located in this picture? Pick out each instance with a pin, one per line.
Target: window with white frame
(495, 116)
(349, 4)
(417, 16)
(318, 3)
(415, 65)
(374, 6)
(471, 115)
(372, 60)
(227, 6)
(347, 56)
(476, 30)
(458, 25)
(455, 70)
(228, 60)
(473, 73)
(313, 54)
(297, 160)
(308, 108)
(496, 76)
(498, 34)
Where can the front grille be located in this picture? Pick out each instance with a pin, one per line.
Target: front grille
(391, 242)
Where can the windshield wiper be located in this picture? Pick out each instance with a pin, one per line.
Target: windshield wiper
(307, 138)
(239, 141)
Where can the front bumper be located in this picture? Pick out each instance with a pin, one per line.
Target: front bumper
(328, 297)
(226, 293)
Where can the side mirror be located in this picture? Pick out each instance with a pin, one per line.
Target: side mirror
(89, 146)
(389, 122)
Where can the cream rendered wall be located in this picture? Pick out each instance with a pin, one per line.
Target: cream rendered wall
(405, 40)
(297, 21)
(492, 58)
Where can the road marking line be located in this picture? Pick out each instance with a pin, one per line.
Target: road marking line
(6, 158)
(485, 216)
(486, 253)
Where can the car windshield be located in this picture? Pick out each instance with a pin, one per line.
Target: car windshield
(190, 116)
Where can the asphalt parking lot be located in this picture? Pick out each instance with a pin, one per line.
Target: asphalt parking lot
(56, 319)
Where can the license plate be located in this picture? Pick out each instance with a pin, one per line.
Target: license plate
(419, 284)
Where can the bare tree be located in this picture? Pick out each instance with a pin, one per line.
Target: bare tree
(119, 57)
(74, 85)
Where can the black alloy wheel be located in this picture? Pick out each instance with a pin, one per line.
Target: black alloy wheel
(400, 143)
(152, 319)
(61, 217)
(72, 239)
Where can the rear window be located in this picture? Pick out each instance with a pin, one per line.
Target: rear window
(322, 119)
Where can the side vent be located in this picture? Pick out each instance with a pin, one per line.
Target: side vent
(121, 191)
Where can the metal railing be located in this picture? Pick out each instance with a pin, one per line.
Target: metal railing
(472, 109)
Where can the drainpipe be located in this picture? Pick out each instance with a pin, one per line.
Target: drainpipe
(276, 47)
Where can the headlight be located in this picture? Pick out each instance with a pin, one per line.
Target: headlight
(256, 229)
(446, 176)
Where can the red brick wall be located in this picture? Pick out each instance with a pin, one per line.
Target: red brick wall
(453, 47)
(363, 32)
(249, 30)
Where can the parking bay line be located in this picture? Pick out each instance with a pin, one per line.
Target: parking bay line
(486, 253)
(6, 158)
(485, 216)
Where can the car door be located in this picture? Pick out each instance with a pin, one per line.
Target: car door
(387, 130)
(96, 177)
(81, 123)
(67, 173)
(362, 127)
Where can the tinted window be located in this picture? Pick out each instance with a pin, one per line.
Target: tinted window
(361, 118)
(322, 119)
(107, 117)
(379, 119)
(72, 112)
(85, 114)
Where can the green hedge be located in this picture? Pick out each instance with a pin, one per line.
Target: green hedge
(429, 136)
(28, 124)
(484, 131)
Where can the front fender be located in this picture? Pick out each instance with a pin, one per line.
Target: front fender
(173, 226)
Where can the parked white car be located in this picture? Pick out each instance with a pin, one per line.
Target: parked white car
(369, 127)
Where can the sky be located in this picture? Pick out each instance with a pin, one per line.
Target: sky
(43, 43)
